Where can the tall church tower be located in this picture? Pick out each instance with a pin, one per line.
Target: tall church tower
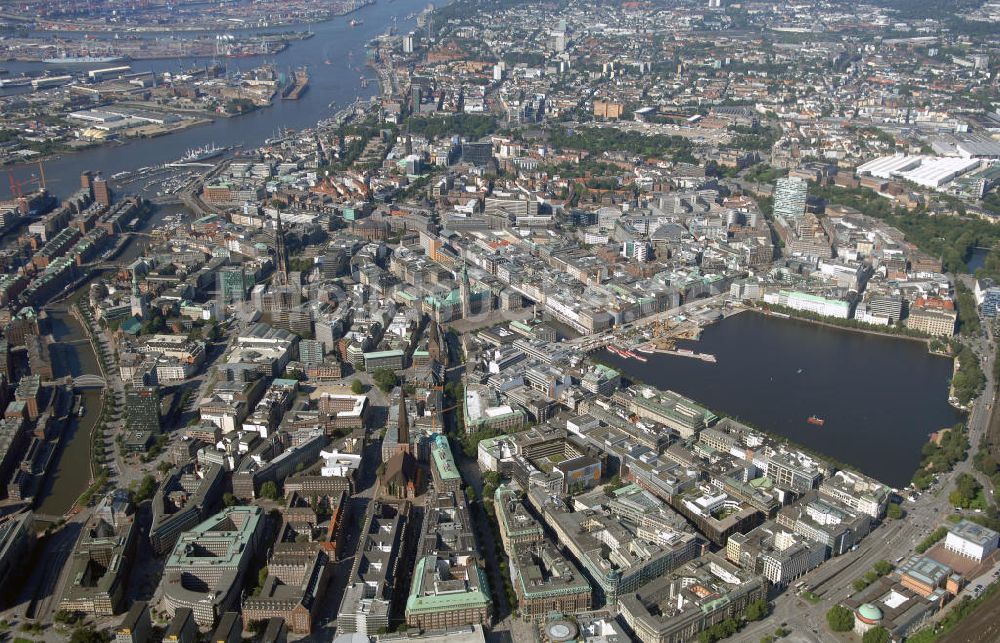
(465, 291)
(281, 275)
(403, 435)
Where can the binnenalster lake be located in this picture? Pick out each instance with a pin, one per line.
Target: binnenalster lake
(880, 397)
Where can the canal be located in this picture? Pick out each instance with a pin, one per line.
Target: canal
(73, 355)
(335, 57)
(880, 397)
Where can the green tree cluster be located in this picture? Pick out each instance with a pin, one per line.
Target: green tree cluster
(877, 634)
(384, 378)
(597, 140)
(941, 457)
(932, 539)
(144, 490)
(880, 569)
(968, 315)
(840, 619)
(757, 138)
(968, 493)
(470, 126)
(969, 380)
(719, 631)
(269, 490)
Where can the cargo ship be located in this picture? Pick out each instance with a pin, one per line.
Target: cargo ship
(624, 352)
(202, 153)
(83, 60)
(629, 353)
(295, 89)
(814, 419)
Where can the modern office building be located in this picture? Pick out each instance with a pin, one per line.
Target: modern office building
(293, 589)
(971, 540)
(183, 499)
(205, 571)
(102, 560)
(793, 470)
(678, 606)
(478, 154)
(790, 196)
(448, 588)
(391, 359)
(368, 597)
(311, 351)
(136, 627)
(17, 540)
(142, 407)
(545, 581)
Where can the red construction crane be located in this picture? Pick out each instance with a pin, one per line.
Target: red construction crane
(15, 186)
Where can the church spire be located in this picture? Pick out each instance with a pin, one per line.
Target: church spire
(403, 434)
(465, 291)
(281, 275)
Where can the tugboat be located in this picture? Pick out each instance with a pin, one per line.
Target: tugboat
(814, 419)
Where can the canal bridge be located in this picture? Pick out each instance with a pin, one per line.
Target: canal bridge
(89, 380)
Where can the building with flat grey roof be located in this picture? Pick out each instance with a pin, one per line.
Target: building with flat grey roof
(517, 525)
(617, 557)
(101, 562)
(545, 581)
(368, 596)
(183, 499)
(449, 587)
(293, 589)
(136, 627)
(205, 571)
(17, 540)
(181, 628)
(677, 606)
(666, 407)
(923, 574)
(857, 492)
(970, 539)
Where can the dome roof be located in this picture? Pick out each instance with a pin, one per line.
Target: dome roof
(870, 613)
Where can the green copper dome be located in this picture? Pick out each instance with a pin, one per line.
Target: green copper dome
(870, 613)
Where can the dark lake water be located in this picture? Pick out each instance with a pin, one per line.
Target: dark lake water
(880, 397)
(337, 83)
(976, 259)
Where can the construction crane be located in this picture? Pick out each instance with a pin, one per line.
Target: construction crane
(17, 186)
